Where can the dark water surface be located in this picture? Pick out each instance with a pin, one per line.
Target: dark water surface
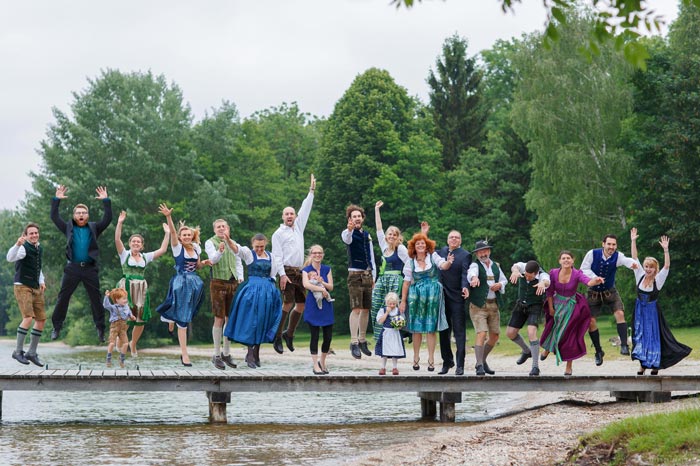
(86, 428)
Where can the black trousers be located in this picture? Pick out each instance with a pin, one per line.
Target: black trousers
(73, 274)
(456, 313)
(327, 337)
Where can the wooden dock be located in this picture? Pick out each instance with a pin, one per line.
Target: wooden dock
(431, 389)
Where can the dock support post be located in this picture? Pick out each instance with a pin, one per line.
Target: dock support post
(447, 402)
(648, 397)
(217, 406)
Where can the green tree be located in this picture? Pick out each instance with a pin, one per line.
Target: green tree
(664, 136)
(129, 132)
(374, 147)
(569, 111)
(11, 226)
(455, 100)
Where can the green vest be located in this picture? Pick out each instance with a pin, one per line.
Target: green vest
(226, 267)
(527, 293)
(28, 269)
(478, 295)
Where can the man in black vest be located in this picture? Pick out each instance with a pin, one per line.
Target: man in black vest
(455, 286)
(532, 283)
(29, 288)
(488, 283)
(82, 253)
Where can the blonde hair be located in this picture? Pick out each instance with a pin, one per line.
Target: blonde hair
(391, 297)
(195, 231)
(399, 237)
(653, 261)
(307, 261)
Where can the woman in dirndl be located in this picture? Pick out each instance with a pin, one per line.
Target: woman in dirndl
(186, 290)
(653, 344)
(390, 276)
(422, 294)
(134, 262)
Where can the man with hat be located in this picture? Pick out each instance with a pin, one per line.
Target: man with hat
(488, 283)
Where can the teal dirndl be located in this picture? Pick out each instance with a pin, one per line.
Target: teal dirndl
(426, 302)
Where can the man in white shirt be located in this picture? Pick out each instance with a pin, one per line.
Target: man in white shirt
(288, 252)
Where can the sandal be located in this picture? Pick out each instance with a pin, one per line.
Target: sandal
(415, 364)
(431, 366)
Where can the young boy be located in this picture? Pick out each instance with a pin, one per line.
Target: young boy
(532, 282)
(119, 313)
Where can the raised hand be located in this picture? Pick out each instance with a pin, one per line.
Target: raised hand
(101, 192)
(633, 234)
(312, 185)
(122, 216)
(61, 192)
(664, 242)
(378, 205)
(163, 209)
(21, 240)
(166, 228)
(351, 225)
(425, 228)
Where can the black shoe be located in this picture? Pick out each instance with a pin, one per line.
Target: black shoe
(487, 369)
(480, 370)
(289, 341)
(34, 358)
(459, 370)
(101, 335)
(277, 345)
(523, 357)
(355, 351)
(55, 333)
(446, 366)
(599, 357)
(624, 350)
(218, 362)
(544, 355)
(535, 371)
(19, 356)
(365, 350)
(186, 364)
(228, 360)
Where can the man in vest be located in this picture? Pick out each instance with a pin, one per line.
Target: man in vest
(82, 253)
(603, 263)
(226, 274)
(488, 283)
(362, 271)
(455, 286)
(532, 283)
(29, 288)
(288, 253)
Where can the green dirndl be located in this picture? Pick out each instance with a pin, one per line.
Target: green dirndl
(136, 288)
(426, 302)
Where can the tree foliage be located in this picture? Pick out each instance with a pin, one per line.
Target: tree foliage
(455, 100)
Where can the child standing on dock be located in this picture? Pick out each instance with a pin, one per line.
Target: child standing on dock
(119, 313)
(390, 343)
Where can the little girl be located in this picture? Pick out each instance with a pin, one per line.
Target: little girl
(390, 344)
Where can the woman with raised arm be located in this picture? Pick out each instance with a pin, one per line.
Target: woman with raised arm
(567, 315)
(390, 275)
(134, 262)
(186, 290)
(653, 344)
(423, 293)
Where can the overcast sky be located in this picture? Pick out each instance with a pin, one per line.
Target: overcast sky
(254, 53)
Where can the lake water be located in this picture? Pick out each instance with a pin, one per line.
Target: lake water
(84, 428)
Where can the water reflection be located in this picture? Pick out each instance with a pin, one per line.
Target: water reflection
(81, 428)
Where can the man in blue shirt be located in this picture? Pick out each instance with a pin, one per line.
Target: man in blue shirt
(82, 252)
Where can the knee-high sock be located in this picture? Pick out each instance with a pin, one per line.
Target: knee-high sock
(518, 340)
(595, 338)
(217, 334)
(622, 332)
(34, 338)
(21, 336)
(487, 350)
(535, 352)
(227, 346)
(282, 321)
(479, 353)
(354, 323)
(364, 320)
(294, 318)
